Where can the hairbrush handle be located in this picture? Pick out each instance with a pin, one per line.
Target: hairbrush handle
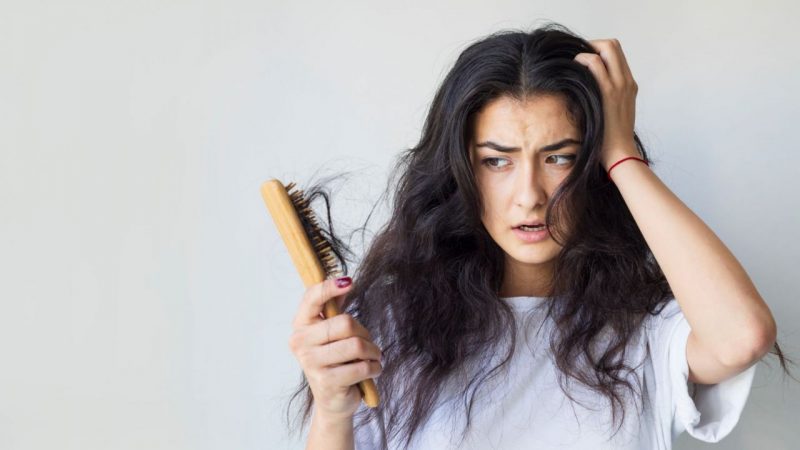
(305, 258)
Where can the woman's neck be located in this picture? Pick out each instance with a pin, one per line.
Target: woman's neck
(526, 281)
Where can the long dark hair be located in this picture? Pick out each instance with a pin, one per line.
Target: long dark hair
(427, 287)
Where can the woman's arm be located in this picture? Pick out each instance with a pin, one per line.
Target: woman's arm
(330, 434)
(732, 327)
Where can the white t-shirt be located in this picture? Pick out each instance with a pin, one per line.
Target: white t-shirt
(526, 408)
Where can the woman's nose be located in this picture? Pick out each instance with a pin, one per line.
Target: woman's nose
(529, 190)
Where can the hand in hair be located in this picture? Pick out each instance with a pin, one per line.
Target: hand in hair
(611, 70)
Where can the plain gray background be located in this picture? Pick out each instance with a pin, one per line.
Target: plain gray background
(146, 297)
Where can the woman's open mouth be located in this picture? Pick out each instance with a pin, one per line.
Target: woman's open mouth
(531, 234)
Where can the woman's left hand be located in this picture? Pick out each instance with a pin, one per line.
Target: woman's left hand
(618, 88)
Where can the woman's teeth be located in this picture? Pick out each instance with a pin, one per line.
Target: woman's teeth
(527, 228)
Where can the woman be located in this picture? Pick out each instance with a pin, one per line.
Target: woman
(468, 313)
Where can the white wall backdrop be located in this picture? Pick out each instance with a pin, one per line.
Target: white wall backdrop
(146, 298)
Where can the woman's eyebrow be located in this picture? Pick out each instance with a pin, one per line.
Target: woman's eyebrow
(547, 148)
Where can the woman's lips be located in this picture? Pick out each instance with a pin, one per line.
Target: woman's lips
(531, 236)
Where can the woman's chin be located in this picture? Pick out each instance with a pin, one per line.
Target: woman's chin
(531, 258)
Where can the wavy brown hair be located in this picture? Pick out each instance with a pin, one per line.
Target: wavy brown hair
(428, 286)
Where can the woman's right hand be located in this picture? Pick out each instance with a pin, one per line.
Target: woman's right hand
(335, 353)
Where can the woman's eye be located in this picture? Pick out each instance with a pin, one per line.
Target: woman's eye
(491, 162)
(566, 158)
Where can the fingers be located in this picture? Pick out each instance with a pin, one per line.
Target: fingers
(609, 65)
(336, 328)
(314, 299)
(623, 62)
(355, 372)
(596, 66)
(347, 350)
(610, 52)
(339, 299)
(332, 342)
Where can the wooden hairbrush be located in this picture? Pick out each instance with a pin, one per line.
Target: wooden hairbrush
(309, 249)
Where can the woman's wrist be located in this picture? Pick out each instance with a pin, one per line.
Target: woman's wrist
(626, 154)
(330, 432)
(326, 420)
(627, 158)
(611, 157)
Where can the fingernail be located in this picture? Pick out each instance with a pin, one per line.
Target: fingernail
(343, 282)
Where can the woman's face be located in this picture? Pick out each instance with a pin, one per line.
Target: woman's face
(520, 153)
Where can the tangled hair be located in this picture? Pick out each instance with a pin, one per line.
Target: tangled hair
(428, 286)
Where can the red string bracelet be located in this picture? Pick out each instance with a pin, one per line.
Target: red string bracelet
(608, 173)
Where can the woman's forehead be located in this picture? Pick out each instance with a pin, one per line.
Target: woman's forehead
(512, 122)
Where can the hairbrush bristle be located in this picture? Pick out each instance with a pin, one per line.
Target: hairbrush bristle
(321, 245)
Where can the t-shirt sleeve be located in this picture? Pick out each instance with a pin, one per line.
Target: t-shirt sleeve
(708, 412)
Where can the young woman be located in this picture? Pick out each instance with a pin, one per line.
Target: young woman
(537, 285)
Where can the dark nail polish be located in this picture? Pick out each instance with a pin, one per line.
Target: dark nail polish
(343, 282)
